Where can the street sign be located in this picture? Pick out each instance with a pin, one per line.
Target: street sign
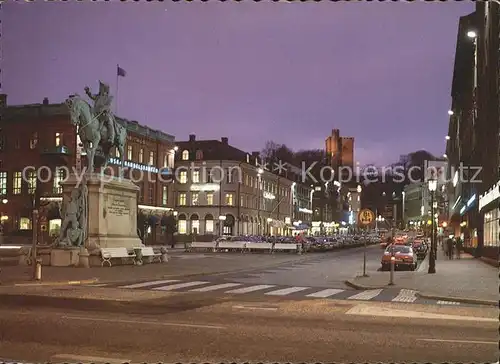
(43, 219)
(366, 217)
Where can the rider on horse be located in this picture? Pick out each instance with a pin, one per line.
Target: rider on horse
(102, 109)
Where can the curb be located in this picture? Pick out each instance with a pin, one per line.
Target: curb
(57, 283)
(361, 287)
(474, 301)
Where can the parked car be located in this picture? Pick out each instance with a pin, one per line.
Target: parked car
(404, 257)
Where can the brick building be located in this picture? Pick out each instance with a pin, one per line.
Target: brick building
(42, 136)
(222, 190)
(472, 143)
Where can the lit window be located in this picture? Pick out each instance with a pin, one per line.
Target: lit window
(117, 153)
(141, 155)
(58, 178)
(165, 160)
(164, 195)
(194, 198)
(183, 177)
(3, 183)
(195, 225)
(182, 199)
(34, 140)
(185, 155)
(129, 152)
(182, 226)
(17, 183)
(196, 177)
(209, 225)
(31, 182)
(24, 223)
(58, 139)
(229, 199)
(210, 198)
(151, 158)
(171, 158)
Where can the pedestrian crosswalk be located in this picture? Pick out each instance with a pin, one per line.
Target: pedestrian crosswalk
(274, 290)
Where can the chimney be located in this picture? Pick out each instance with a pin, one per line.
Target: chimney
(45, 101)
(3, 100)
(192, 137)
(224, 140)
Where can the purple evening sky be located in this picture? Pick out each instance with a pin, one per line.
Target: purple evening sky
(380, 72)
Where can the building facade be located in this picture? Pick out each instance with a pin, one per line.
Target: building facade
(474, 128)
(39, 148)
(221, 190)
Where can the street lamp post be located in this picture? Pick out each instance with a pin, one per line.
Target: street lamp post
(260, 171)
(432, 256)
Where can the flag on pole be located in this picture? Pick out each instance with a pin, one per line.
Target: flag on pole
(121, 72)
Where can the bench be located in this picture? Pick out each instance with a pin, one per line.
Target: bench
(203, 245)
(115, 253)
(286, 247)
(259, 246)
(148, 252)
(232, 245)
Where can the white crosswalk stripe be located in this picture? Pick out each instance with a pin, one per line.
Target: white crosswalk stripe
(285, 291)
(179, 286)
(149, 284)
(216, 287)
(406, 295)
(325, 293)
(447, 303)
(259, 287)
(366, 295)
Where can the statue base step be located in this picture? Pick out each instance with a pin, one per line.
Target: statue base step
(64, 257)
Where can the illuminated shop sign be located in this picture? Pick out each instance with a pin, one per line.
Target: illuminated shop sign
(141, 167)
(490, 196)
(269, 195)
(205, 187)
(305, 211)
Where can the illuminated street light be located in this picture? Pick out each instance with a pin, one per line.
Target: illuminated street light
(359, 189)
(176, 148)
(260, 171)
(472, 34)
(445, 156)
(447, 137)
(4, 201)
(450, 112)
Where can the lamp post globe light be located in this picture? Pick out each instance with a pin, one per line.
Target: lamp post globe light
(432, 184)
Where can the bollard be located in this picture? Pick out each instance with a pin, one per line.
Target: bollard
(38, 270)
(393, 262)
(364, 260)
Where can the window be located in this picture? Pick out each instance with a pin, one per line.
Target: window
(199, 154)
(141, 155)
(185, 155)
(194, 198)
(31, 182)
(17, 182)
(164, 195)
(129, 152)
(183, 177)
(182, 199)
(209, 177)
(58, 178)
(150, 193)
(2, 143)
(58, 139)
(151, 158)
(229, 199)
(242, 201)
(117, 153)
(195, 224)
(209, 224)
(182, 224)
(24, 223)
(171, 158)
(3, 183)
(210, 198)
(165, 160)
(196, 177)
(491, 228)
(17, 144)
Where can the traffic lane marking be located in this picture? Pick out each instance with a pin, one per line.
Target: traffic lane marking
(143, 322)
(460, 341)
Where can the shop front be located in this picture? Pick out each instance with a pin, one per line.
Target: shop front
(489, 208)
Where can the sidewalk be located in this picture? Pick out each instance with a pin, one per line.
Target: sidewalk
(463, 280)
(198, 264)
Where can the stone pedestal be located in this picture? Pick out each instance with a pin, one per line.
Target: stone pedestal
(83, 260)
(64, 257)
(112, 211)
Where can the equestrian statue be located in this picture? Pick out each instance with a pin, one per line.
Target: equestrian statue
(97, 126)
